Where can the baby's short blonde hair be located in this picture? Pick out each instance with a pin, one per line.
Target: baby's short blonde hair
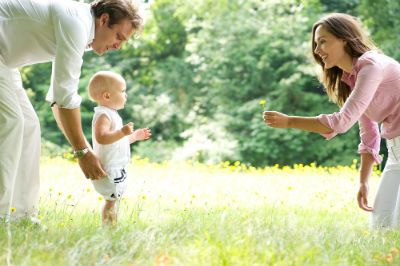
(103, 81)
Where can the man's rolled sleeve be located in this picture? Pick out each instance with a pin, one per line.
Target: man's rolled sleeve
(370, 138)
(71, 43)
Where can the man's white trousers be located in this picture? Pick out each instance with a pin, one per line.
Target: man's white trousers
(19, 148)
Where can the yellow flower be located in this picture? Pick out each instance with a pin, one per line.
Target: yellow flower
(59, 193)
(62, 224)
(193, 196)
(389, 258)
(366, 233)
(290, 188)
(69, 197)
(100, 198)
(50, 189)
(39, 217)
(144, 197)
(263, 104)
(355, 160)
(12, 209)
(88, 190)
(162, 259)
(224, 208)
(394, 251)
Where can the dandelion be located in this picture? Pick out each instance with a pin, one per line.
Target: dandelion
(12, 209)
(69, 197)
(88, 190)
(39, 217)
(355, 161)
(263, 104)
(100, 198)
(224, 208)
(366, 233)
(289, 188)
(50, 189)
(193, 196)
(144, 197)
(59, 193)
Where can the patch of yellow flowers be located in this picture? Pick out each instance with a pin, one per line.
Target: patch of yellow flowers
(237, 166)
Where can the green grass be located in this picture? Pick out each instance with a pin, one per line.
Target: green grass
(192, 214)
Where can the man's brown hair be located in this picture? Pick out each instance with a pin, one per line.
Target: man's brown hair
(117, 11)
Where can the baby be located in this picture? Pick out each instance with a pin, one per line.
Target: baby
(111, 139)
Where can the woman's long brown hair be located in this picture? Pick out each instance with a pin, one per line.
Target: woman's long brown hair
(347, 28)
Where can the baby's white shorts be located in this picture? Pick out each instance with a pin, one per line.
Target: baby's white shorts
(111, 188)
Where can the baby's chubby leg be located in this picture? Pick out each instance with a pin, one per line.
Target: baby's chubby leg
(109, 214)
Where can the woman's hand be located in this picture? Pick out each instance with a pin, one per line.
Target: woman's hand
(276, 119)
(362, 197)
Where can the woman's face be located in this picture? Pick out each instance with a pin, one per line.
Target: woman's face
(329, 48)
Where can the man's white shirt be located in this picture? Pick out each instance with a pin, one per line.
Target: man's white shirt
(59, 31)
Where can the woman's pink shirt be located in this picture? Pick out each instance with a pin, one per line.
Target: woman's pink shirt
(375, 98)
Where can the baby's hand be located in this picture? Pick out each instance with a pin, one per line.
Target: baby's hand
(127, 129)
(141, 134)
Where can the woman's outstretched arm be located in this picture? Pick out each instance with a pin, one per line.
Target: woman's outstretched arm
(279, 120)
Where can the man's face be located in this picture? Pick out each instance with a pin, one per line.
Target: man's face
(106, 38)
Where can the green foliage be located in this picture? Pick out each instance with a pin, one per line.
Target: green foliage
(199, 69)
(382, 18)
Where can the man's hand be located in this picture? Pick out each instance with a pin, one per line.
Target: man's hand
(276, 119)
(127, 129)
(91, 166)
(362, 197)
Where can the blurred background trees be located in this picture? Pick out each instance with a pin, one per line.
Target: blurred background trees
(200, 68)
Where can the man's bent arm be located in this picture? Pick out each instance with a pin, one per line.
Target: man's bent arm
(69, 121)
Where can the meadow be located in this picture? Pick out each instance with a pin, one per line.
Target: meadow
(189, 214)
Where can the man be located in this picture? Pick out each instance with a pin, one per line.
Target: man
(34, 31)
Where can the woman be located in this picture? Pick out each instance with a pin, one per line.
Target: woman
(366, 86)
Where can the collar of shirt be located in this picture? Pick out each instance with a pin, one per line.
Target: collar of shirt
(91, 33)
(346, 77)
